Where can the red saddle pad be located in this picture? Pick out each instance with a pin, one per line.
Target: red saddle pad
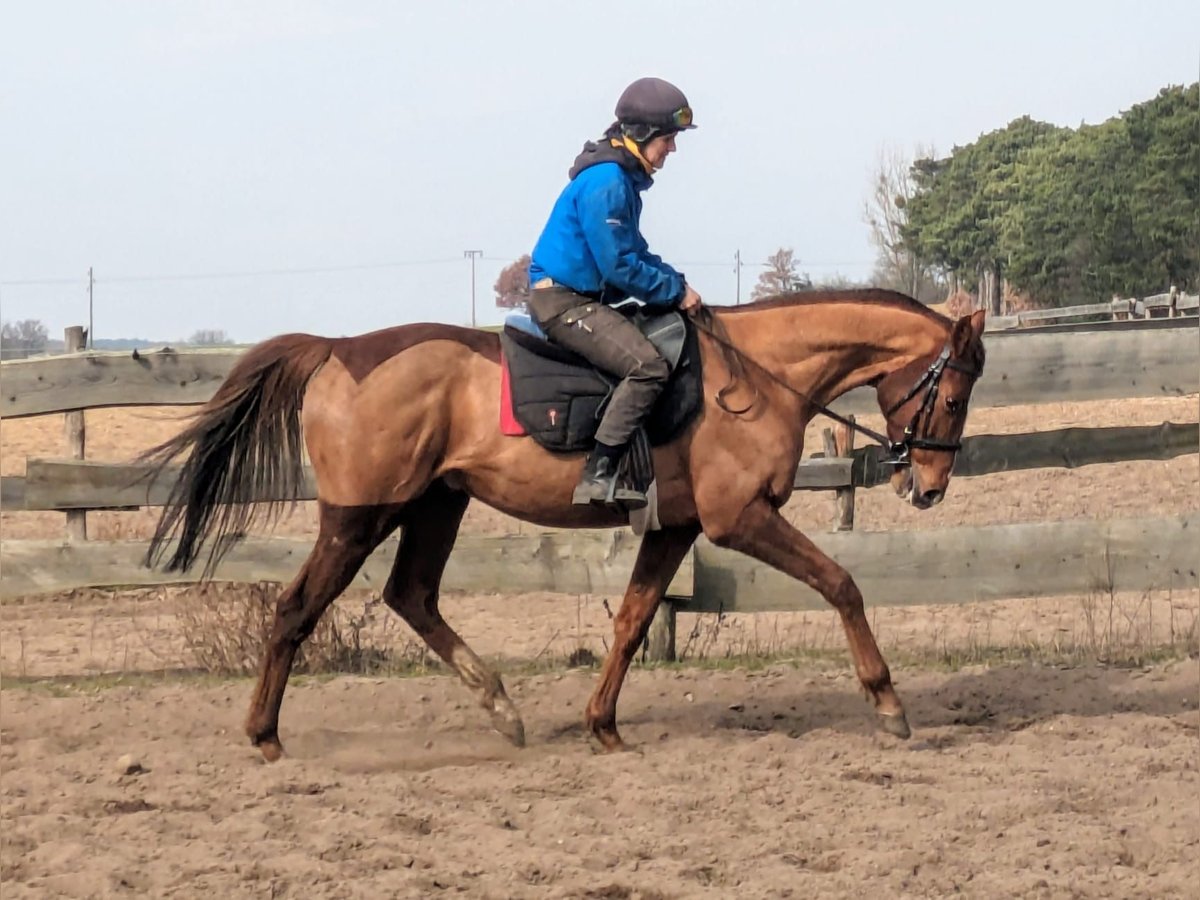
(508, 422)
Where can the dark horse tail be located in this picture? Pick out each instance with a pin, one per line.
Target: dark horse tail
(245, 453)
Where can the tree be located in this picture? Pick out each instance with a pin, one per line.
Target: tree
(24, 338)
(781, 276)
(512, 286)
(886, 212)
(210, 337)
(955, 217)
(1063, 216)
(1165, 188)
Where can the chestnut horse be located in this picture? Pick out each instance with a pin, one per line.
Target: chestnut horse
(401, 426)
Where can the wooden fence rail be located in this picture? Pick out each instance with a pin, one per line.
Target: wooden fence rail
(63, 484)
(569, 562)
(962, 565)
(34, 387)
(1168, 305)
(952, 566)
(1021, 369)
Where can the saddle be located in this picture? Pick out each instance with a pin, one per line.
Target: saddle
(558, 398)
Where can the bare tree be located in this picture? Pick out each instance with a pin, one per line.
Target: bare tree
(885, 211)
(781, 276)
(24, 338)
(512, 286)
(210, 337)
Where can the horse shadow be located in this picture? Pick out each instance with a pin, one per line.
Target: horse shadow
(990, 703)
(979, 705)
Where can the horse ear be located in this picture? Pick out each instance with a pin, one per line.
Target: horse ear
(978, 318)
(967, 329)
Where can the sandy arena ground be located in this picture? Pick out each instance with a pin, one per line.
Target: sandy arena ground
(1022, 779)
(1018, 782)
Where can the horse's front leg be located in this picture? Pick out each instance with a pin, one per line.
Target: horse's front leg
(761, 532)
(658, 560)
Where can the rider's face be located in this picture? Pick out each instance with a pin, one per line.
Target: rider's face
(658, 149)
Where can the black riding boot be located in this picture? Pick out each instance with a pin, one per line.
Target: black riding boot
(598, 484)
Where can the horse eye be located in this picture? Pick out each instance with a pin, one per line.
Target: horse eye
(953, 405)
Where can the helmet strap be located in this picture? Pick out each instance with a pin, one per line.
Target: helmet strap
(633, 147)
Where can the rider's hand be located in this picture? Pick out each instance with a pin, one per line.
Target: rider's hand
(691, 300)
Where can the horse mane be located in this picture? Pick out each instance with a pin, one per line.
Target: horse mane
(865, 296)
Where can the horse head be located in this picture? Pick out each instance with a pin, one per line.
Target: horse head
(925, 404)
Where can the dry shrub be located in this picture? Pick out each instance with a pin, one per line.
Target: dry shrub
(960, 303)
(1103, 627)
(718, 636)
(1118, 629)
(1013, 301)
(225, 628)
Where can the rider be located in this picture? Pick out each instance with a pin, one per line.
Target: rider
(591, 256)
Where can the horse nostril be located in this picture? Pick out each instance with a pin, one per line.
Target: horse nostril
(929, 498)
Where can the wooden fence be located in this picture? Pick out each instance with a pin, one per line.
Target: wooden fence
(1158, 306)
(955, 566)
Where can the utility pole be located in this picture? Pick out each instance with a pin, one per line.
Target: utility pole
(472, 255)
(91, 284)
(737, 268)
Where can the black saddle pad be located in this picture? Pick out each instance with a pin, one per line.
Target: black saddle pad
(559, 397)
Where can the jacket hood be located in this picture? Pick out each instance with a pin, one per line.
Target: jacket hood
(603, 151)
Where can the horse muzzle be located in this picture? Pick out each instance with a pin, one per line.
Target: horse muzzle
(906, 484)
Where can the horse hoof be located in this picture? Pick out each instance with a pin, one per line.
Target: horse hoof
(607, 741)
(510, 726)
(895, 724)
(621, 747)
(271, 749)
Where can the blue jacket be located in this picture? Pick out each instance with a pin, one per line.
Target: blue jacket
(592, 242)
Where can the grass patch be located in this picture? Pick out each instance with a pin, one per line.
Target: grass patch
(75, 685)
(813, 660)
(221, 632)
(821, 660)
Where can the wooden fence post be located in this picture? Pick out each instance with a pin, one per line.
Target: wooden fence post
(660, 639)
(841, 445)
(75, 339)
(844, 435)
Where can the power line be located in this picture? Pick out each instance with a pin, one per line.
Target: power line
(712, 265)
(308, 270)
(353, 267)
(29, 281)
(249, 273)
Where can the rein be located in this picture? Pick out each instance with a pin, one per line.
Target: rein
(736, 360)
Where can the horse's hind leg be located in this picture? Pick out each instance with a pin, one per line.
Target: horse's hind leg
(430, 526)
(347, 537)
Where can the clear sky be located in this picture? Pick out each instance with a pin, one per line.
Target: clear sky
(347, 153)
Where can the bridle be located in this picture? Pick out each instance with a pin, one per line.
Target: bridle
(930, 381)
(899, 452)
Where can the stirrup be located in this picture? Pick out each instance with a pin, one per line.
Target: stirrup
(616, 498)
